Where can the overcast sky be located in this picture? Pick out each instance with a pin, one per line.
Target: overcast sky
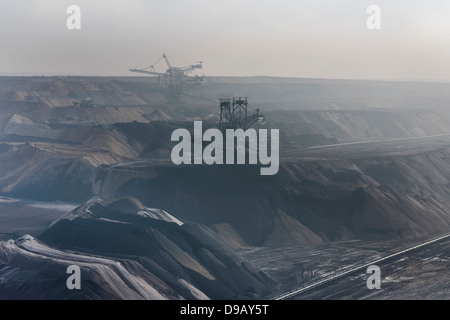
(293, 38)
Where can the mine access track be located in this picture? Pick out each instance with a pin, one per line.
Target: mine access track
(329, 279)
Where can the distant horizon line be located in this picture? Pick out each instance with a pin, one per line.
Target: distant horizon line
(37, 74)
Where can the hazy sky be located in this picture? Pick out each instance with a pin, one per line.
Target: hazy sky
(295, 38)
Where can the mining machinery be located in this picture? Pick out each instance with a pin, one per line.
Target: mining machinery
(234, 114)
(173, 78)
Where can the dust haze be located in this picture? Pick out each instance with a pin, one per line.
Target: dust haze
(86, 176)
(308, 39)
